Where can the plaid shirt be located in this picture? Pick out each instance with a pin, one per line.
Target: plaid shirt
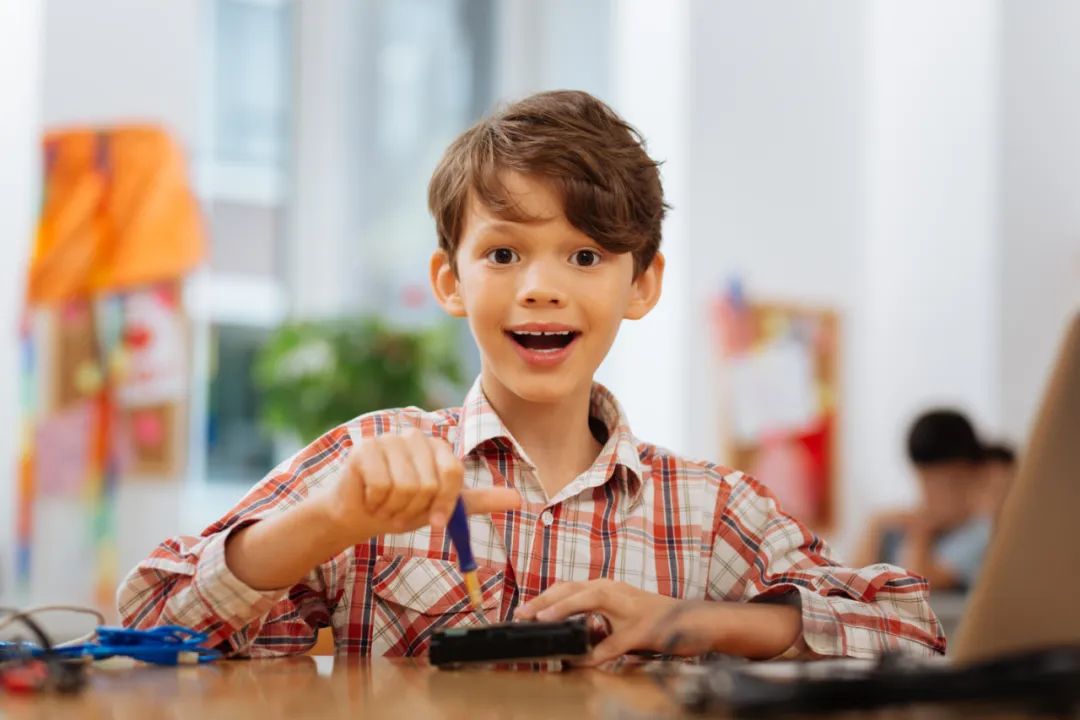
(640, 514)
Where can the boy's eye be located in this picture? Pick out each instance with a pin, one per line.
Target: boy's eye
(586, 258)
(502, 256)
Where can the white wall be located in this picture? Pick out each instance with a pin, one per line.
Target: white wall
(20, 69)
(1040, 182)
(556, 44)
(323, 201)
(110, 61)
(647, 368)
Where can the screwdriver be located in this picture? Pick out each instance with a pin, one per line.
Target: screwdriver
(458, 529)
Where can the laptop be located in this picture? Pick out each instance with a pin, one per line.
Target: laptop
(1027, 596)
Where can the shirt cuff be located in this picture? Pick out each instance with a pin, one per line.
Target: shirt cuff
(226, 596)
(824, 633)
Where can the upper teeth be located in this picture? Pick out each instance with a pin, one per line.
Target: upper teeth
(537, 332)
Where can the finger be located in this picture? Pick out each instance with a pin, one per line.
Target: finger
(490, 500)
(594, 597)
(451, 476)
(554, 594)
(618, 644)
(636, 636)
(419, 454)
(403, 479)
(371, 465)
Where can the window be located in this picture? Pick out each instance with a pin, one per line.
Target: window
(237, 449)
(242, 175)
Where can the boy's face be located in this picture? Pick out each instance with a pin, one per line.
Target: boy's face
(950, 491)
(543, 300)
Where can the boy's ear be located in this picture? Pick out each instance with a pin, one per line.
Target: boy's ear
(646, 290)
(444, 284)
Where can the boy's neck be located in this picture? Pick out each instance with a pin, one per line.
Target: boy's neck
(555, 436)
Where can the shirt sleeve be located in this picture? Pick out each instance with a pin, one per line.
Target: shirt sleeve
(759, 553)
(185, 580)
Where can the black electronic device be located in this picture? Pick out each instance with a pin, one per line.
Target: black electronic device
(510, 642)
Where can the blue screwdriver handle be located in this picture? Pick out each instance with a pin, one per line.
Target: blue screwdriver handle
(458, 529)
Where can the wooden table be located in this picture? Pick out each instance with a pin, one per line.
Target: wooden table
(322, 687)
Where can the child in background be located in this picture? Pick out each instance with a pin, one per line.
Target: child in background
(945, 537)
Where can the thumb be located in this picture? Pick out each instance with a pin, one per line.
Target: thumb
(490, 500)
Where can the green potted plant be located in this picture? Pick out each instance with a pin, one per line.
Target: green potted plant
(314, 375)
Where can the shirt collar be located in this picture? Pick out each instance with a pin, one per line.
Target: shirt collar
(619, 458)
(479, 423)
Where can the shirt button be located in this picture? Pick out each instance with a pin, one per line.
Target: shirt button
(547, 518)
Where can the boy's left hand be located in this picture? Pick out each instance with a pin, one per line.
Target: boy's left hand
(639, 619)
(645, 621)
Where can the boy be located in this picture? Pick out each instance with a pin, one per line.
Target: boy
(548, 217)
(945, 538)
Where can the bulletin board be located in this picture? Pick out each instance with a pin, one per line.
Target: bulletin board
(780, 401)
(148, 372)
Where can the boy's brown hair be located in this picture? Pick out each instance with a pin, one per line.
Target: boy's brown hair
(609, 185)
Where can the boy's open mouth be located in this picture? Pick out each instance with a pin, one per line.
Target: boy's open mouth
(536, 340)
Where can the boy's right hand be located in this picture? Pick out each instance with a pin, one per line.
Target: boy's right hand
(396, 483)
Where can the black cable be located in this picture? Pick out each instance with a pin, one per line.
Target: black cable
(65, 676)
(25, 619)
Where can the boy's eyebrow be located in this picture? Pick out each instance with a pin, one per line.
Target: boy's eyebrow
(509, 227)
(488, 226)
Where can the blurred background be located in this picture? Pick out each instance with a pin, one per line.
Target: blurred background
(874, 213)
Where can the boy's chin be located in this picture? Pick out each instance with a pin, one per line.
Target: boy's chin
(544, 387)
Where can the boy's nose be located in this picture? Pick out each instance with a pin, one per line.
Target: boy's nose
(540, 296)
(539, 285)
(539, 291)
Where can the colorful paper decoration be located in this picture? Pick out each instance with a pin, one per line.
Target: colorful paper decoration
(119, 224)
(118, 213)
